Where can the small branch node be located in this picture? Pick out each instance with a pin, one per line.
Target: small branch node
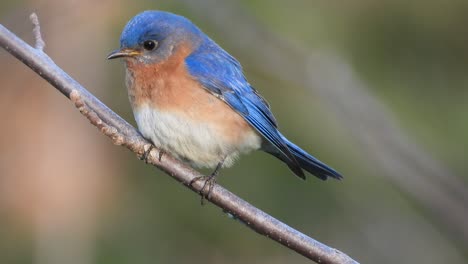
(75, 97)
(110, 131)
(39, 42)
(113, 133)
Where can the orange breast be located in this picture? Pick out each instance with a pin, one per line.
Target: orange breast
(168, 86)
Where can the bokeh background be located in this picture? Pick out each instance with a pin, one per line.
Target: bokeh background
(377, 89)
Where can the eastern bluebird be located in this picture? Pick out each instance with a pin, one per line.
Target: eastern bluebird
(191, 98)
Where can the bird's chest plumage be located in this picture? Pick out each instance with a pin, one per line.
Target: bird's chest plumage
(177, 114)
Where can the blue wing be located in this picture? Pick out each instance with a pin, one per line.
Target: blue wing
(221, 74)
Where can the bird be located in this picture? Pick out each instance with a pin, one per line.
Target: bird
(191, 99)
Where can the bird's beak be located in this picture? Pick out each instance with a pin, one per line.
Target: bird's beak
(124, 52)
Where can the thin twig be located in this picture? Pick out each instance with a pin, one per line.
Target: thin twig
(39, 42)
(122, 133)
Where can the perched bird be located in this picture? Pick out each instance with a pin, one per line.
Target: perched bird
(191, 98)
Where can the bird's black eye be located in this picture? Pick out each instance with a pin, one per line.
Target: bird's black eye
(149, 45)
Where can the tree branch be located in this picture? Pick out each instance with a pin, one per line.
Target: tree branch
(122, 133)
(39, 42)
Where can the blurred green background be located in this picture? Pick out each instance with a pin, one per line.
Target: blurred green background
(376, 89)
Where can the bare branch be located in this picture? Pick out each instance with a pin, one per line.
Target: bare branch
(40, 44)
(122, 133)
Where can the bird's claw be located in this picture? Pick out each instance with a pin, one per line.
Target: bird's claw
(210, 182)
(161, 154)
(147, 152)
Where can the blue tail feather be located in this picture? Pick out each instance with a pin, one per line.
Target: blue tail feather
(309, 162)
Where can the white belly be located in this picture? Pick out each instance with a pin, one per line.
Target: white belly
(196, 142)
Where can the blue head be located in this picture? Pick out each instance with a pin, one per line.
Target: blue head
(152, 36)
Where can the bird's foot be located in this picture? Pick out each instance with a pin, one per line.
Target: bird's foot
(147, 152)
(210, 182)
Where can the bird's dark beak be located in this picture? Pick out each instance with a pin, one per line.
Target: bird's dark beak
(124, 52)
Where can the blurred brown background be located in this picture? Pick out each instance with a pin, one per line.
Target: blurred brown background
(377, 89)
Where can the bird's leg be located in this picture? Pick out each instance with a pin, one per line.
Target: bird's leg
(210, 181)
(145, 155)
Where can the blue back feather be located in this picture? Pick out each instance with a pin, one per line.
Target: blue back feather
(222, 75)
